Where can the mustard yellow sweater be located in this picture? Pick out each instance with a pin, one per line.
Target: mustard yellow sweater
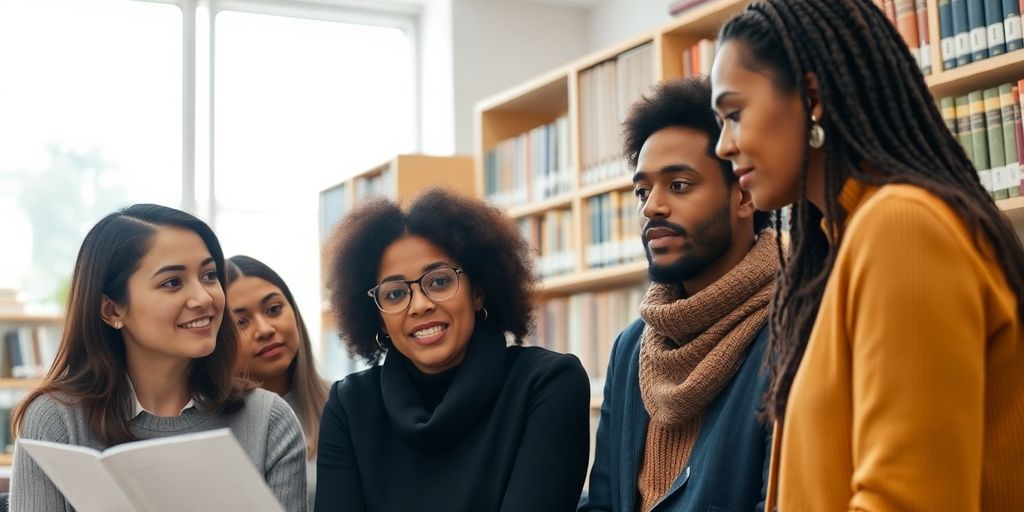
(910, 396)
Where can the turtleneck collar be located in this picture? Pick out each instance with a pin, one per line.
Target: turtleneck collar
(434, 410)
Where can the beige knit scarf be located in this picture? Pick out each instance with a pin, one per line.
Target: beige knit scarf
(690, 349)
(692, 346)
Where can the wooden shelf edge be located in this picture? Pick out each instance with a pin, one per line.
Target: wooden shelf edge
(991, 71)
(499, 100)
(610, 185)
(6, 459)
(551, 203)
(594, 279)
(20, 383)
(1011, 205)
(28, 318)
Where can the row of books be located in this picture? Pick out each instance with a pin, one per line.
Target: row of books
(697, 59)
(911, 20)
(989, 126)
(607, 91)
(586, 324)
(8, 399)
(531, 166)
(973, 30)
(550, 239)
(614, 229)
(27, 351)
(382, 184)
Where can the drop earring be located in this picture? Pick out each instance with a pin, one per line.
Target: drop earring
(817, 136)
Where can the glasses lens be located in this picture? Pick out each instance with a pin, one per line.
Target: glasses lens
(393, 296)
(440, 284)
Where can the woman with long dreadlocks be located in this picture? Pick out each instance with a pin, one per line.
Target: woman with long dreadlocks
(896, 354)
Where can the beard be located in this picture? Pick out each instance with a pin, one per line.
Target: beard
(708, 241)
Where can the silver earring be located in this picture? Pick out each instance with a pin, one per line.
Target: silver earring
(485, 312)
(379, 344)
(817, 138)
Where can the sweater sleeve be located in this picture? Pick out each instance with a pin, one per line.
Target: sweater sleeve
(599, 492)
(31, 490)
(337, 472)
(915, 310)
(551, 462)
(286, 457)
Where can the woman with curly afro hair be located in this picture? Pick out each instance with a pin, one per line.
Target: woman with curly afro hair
(455, 418)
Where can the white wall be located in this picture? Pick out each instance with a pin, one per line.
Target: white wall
(498, 44)
(437, 89)
(614, 21)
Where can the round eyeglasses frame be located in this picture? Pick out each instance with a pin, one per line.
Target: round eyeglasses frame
(372, 292)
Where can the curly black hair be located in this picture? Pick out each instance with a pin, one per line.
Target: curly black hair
(684, 102)
(484, 241)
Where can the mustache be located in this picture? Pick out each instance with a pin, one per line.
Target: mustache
(662, 223)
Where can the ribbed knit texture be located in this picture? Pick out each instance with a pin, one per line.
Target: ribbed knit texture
(691, 348)
(265, 427)
(910, 395)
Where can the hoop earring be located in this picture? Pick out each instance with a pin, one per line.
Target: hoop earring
(817, 137)
(485, 312)
(379, 344)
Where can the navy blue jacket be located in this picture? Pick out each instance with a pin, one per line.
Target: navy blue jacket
(728, 467)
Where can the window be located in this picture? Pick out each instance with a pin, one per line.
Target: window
(88, 124)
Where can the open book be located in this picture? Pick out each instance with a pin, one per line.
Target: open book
(203, 471)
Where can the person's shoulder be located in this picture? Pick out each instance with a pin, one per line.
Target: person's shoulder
(356, 385)
(541, 361)
(900, 202)
(50, 417)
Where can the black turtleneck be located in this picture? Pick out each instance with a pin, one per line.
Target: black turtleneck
(505, 431)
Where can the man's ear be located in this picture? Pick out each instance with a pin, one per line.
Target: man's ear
(814, 96)
(112, 313)
(743, 202)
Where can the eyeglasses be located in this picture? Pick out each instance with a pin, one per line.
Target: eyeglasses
(439, 284)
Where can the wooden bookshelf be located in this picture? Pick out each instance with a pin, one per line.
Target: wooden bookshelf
(401, 179)
(6, 459)
(561, 93)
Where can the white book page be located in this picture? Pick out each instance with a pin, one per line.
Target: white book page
(204, 471)
(79, 475)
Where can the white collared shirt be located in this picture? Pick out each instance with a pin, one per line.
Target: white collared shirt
(137, 407)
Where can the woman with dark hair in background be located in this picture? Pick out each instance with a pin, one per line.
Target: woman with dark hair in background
(454, 419)
(275, 349)
(896, 349)
(146, 352)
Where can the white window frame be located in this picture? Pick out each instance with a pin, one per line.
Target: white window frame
(198, 193)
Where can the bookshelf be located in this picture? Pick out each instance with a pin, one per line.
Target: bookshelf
(568, 92)
(400, 178)
(28, 344)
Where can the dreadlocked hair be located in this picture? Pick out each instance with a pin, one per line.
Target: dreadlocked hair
(883, 128)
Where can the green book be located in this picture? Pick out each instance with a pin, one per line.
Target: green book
(979, 139)
(1012, 173)
(947, 106)
(996, 151)
(963, 126)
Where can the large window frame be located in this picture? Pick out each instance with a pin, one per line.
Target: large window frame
(198, 191)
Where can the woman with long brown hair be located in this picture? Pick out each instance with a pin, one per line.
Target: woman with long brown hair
(275, 347)
(896, 350)
(146, 352)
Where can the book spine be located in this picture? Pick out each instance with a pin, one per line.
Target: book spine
(978, 29)
(947, 107)
(1012, 25)
(995, 33)
(924, 36)
(947, 35)
(994, 132)
(906, 25)
(1011, 165)
(979, 139)
(962, 32)
(963, 126)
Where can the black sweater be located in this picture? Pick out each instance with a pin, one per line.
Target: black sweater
(510, 433)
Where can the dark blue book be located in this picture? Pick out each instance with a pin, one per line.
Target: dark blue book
(962, 32)
(948, 36)
(978, 29)
(994, 31)
(1011, 25)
